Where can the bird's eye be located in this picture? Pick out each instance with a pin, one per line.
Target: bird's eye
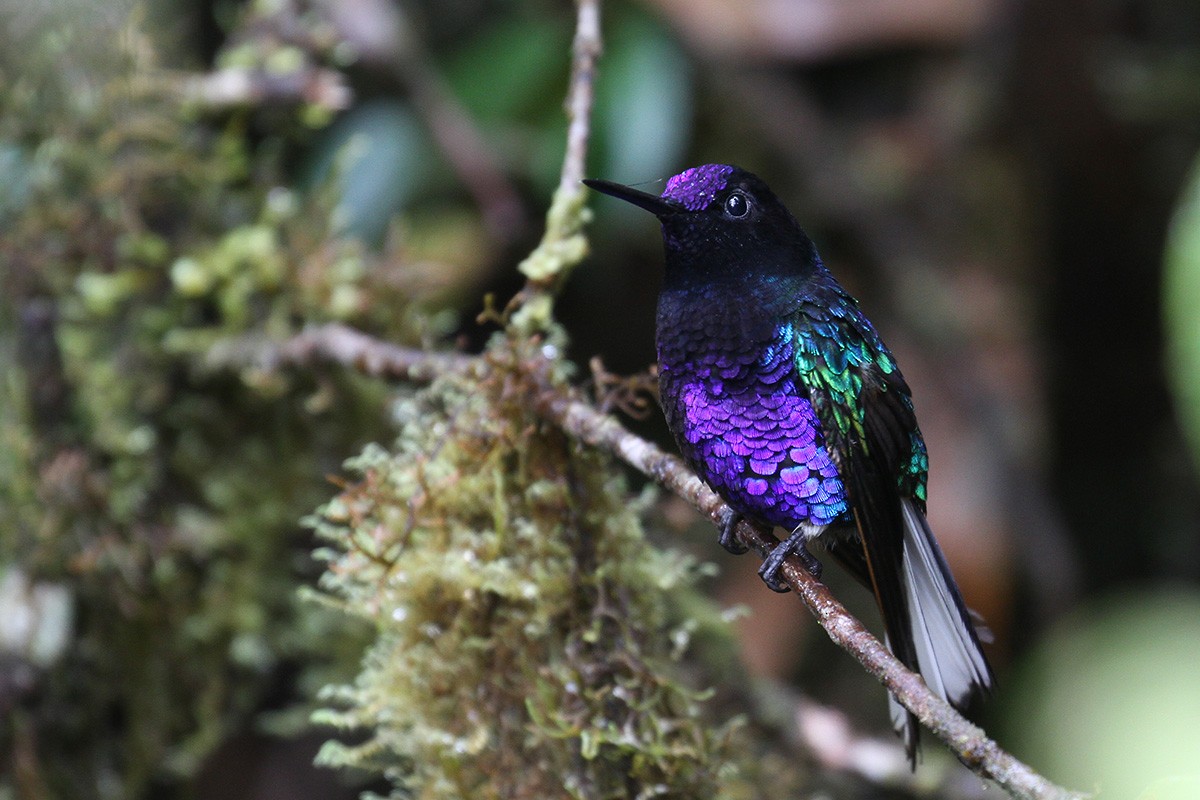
(737, 205)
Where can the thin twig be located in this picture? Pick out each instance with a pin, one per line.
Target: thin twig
(454, 130)
(585, 51)
(826, 733)
(460, 140)
(564, 245)
(338, 344)
(828, 736)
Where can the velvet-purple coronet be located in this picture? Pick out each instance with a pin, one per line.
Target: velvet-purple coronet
(695, 188)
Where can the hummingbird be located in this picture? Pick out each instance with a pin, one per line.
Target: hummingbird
(783, 398)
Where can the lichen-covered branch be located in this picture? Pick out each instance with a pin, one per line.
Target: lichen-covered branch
(564, 245)
(969, 742)
(582, 421)
(514, 370)
(338, 344)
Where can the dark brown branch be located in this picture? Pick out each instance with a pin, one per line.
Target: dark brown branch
(454, 130)
(460, 140)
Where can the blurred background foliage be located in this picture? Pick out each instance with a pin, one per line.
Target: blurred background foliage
(1008, 187)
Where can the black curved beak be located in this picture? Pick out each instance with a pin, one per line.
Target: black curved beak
(651, 202)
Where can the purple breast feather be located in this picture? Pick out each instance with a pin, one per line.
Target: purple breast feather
(770, 466)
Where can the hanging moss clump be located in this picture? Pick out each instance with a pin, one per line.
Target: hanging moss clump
(528, 639)
(157, 497)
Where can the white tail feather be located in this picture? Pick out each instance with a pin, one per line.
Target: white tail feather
(947, 649)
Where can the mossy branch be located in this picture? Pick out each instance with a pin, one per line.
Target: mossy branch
(969, 742)
(335, 343)
(539, 372)
(578, 418)
(564, 244)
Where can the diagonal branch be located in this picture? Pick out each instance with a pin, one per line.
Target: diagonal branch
(564, 244)
(969, 742)
(562, 247)
(578, 418)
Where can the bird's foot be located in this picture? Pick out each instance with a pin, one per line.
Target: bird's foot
(728, 538)
(793, 545)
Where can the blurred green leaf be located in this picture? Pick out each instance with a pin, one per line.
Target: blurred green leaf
(643, 102)
(1109, 701)
(525, 64)
(643, 110)
(518, 105)
(1181, 308)
(378, 155)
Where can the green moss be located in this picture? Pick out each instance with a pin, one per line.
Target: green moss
(562, 248)
(529, 640)
(521, 637)
(163, 498)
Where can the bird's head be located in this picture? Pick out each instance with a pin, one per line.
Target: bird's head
(721, 222)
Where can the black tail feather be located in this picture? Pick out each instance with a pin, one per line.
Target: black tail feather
(927, 626)
(880, 528)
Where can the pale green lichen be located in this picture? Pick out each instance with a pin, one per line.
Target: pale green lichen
(562, 248)
(563, 245)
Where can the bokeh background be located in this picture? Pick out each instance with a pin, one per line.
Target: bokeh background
(1010, 189)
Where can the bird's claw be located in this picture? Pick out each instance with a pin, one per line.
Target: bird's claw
(770, 576)
(793, 545)
(728, 538)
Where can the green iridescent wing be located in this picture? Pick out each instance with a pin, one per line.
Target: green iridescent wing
(858, 393)
(866, 414)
